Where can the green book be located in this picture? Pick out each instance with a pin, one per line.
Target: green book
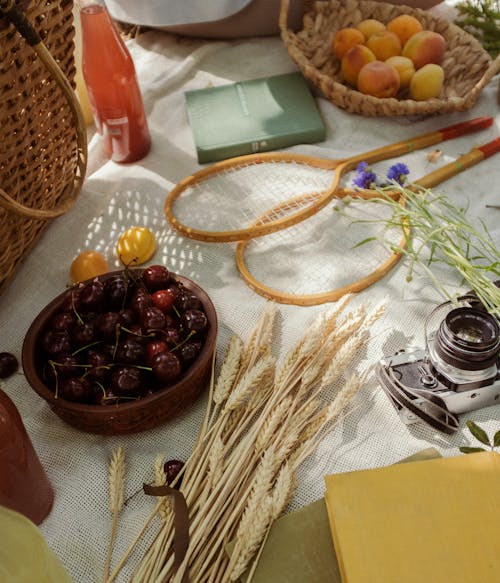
(256, 115)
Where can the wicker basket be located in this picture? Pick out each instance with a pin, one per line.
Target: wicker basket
(43, 148)
(468, 67)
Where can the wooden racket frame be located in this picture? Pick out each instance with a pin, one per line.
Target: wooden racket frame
(339, 167)
(434, 178)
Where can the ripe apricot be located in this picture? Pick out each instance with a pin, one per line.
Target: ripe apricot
(425, 47)
(384, 44)
(86, 265)
(427, 82)
(353, 61)
(370, 26)
(404, 26)
(405, 68)
(344, 39)
(378, 79)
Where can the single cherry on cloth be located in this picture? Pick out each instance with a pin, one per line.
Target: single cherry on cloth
(8, 364)
(24, 486)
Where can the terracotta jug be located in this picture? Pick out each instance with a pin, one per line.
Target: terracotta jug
(24, 486)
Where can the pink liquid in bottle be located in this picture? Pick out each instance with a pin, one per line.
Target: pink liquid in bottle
(114, 93)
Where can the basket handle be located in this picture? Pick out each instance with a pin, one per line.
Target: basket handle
(284, 9)
(16, 17)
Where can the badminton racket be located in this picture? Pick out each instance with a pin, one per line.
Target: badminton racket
(320, 260)
(223, 202)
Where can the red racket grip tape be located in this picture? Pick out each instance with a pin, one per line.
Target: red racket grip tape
(490, 148)
(466, 127)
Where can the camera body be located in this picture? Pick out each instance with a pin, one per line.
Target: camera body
(457, 372)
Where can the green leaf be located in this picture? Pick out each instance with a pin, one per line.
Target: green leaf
(478, 433)
(471, 449)
(496, 439)
(365, 241)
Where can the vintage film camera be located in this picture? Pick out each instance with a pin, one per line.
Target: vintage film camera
(459, 370)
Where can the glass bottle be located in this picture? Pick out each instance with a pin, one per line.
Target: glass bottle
(24, 486)
(115, 97)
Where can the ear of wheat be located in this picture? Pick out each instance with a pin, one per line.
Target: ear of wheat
(259, 426)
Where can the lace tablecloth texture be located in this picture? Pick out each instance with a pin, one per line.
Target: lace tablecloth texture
(117, 197)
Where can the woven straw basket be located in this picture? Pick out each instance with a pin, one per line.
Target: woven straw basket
(467, 66)
(43, 148)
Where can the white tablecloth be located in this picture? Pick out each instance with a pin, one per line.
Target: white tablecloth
(116, 197)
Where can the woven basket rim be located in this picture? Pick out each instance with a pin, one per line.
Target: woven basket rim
(352, 100)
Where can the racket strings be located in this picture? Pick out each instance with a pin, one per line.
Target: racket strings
(321, 254)
(238, 196)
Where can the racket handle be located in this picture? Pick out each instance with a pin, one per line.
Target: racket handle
(466, 127)
(419, 142)
(475, 156)
(490, 148)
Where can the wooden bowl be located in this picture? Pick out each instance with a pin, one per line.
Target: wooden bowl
(139, 415)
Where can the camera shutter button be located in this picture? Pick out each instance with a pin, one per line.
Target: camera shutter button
(427, 379)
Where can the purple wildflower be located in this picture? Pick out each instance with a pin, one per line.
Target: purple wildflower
(364, 178)
(398, 173)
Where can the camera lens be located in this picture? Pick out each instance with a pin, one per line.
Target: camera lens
(468, 339)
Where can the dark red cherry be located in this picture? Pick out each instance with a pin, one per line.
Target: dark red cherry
(108, 325)
(156, 277)
(63, 322)
(164, 299)
(131, 351)
(189, 351)
(127, 317)
(76, 389)
(91, 296)
(70, 302)
(115, 290)
(195, 320)
(166, 367)
(8, 364)
(140, 300)
(56, 342)
(99, 365)
(65, 365)
(172, 336)
(126, 381)
(152, 319)
(188, 301)
(172, 469)
(83, 334)
(154, 347)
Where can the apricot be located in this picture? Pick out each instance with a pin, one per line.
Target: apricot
(378, 79)
(384, 44)
(344, 39)
(427, 82)
(404, 26)
(425, 47)
(405, 68)
(86, 265)
(370, 26)
(353, 61)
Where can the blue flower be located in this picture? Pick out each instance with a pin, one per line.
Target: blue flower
(398, 173)
(364, 177)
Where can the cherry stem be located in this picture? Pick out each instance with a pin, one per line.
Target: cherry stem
(85, 347)
(191, 333)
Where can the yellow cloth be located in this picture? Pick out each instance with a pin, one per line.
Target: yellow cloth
(435, 521)
(25, 557)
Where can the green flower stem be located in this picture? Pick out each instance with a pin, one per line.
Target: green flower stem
(432, 223)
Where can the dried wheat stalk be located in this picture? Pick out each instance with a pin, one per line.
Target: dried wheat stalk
(260, 425)
(116, 480)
